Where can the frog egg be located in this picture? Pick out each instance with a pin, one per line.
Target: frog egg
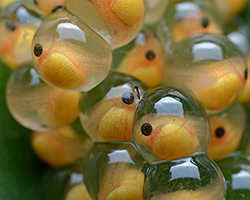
(17, 28)
(69, 55)
(107, 111)
(170, 124)
(210, 66)
(115, 171)
(142, 58)
(37, 105)
(117, 21)
(43, 7)
(186, 18)
(61, 146)
(227, 130)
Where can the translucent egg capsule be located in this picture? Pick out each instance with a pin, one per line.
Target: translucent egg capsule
(38, 106)
(186, 18)
(69, 55)
(142, 58)
(65, 183)
(17, 28)
(115, 171)
(155, 10)
(117, 21)
(210, 66)
(43, 7)
(227, 128)
(188, 178)
(170, 124)
(107, 111)
(61, 146)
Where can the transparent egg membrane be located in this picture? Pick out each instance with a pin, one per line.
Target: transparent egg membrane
(170, 124)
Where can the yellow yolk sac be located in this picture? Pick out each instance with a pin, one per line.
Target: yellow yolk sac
(116, 125)
(123, 184)
(117, 21)
(78, 192)
(61, 72)
(68, 54)
(145, 62)
(4, 3)
(245, 96)
(61, 146)
(171, 137)
(227, 130)
(223, 93)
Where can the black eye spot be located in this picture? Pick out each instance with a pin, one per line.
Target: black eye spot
(56, 8)
(10, 25)
(35, 2)
(246, 74)
(150, 55)
(128, 98)
(38, 50)
(146, 129)
(204, 22)
(219, 132)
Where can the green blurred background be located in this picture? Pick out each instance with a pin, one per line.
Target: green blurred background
(20, 169)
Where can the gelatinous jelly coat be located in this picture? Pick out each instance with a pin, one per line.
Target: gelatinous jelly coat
(61, 146)
(37, 105)
(144, 61)
(110, 116)
(227, 129)
(43, 7)
(186, 18)
(117, 21)
(69, 55)
(169, 125)
(115, 171)
(210, 66)
(16, 35)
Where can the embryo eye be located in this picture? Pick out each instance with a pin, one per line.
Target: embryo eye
(146, 129)
(220, 132)
(128, 98)
(38, 50)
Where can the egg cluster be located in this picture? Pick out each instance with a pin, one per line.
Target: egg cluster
(132, 99)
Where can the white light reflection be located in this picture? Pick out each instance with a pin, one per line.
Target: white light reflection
(120, 156)
(169, 105)
(191, 171)
(71, 32)
(187, 9)
(76, 178)
(35, 79)
(207, 51)
(241, 180)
